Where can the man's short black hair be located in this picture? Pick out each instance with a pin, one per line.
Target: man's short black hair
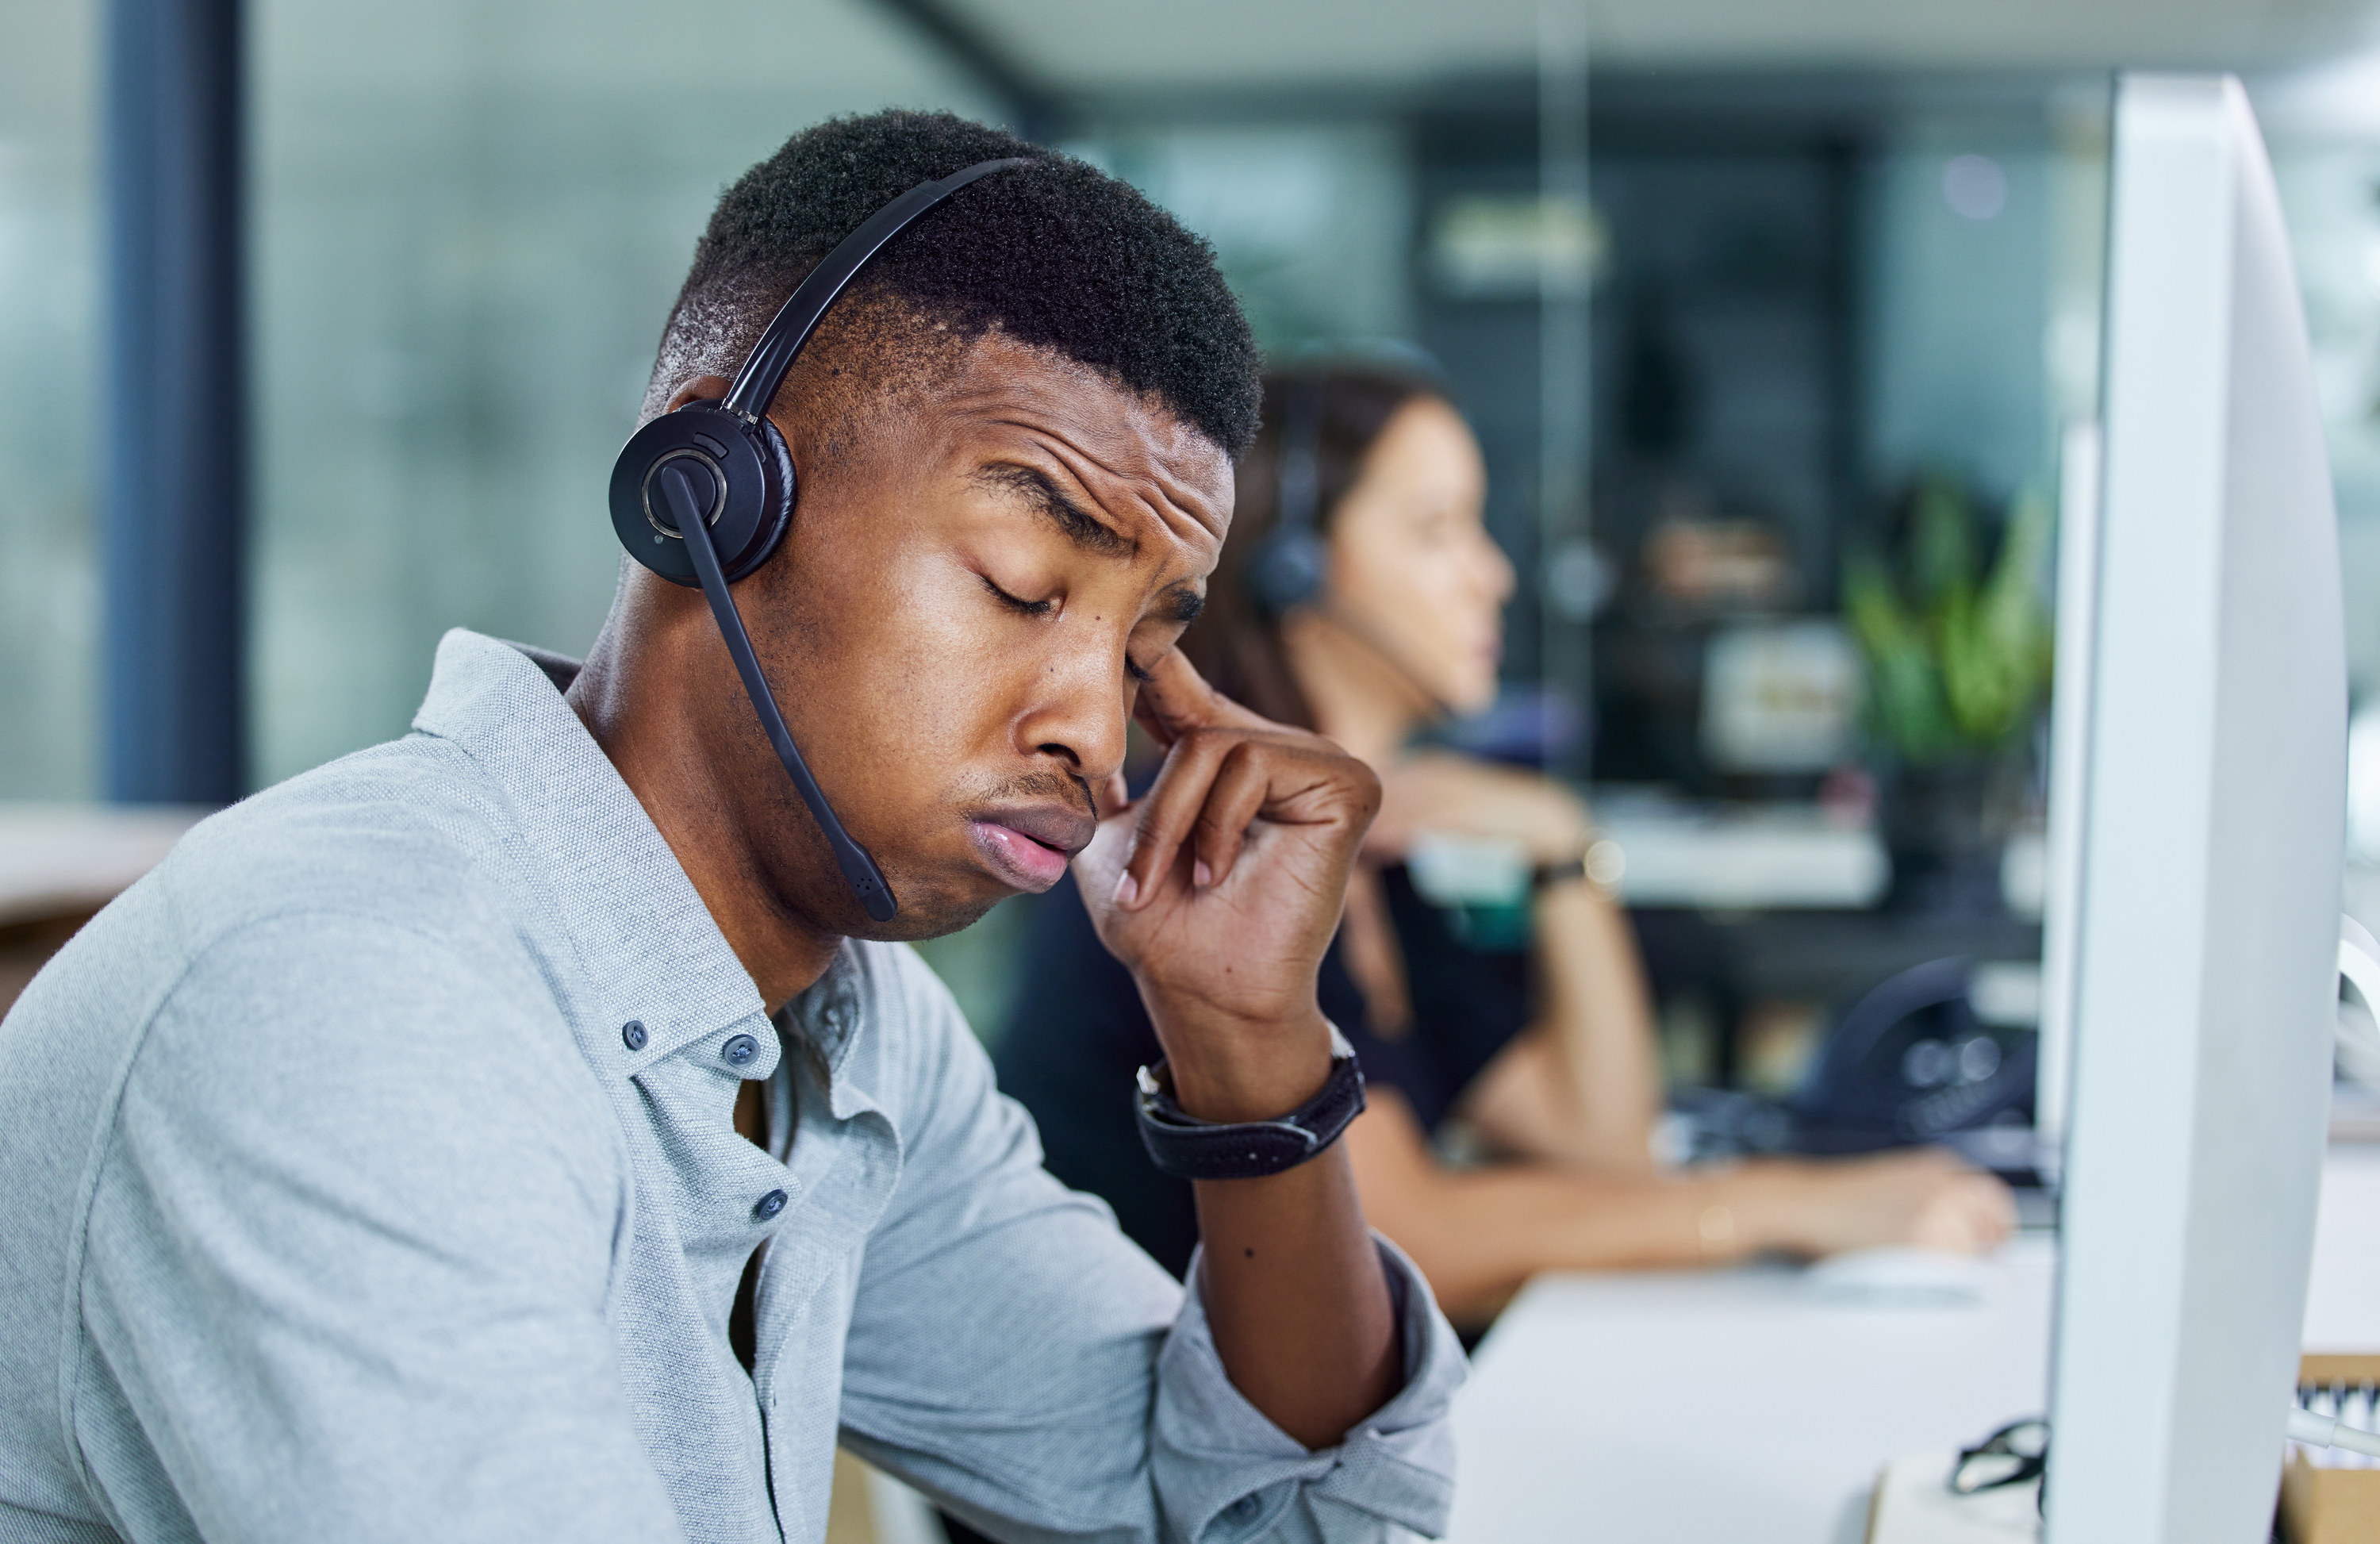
(1055, 254)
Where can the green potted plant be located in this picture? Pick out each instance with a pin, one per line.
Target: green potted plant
(1956, 642)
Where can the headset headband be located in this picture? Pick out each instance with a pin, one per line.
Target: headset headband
(756, 384)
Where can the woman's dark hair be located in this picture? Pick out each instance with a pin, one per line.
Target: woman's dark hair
(1236, 644)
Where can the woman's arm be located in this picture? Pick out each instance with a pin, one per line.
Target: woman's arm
(1581, 1085)
(1478, 1235)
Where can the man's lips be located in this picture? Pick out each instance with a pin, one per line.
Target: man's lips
(1028, 845)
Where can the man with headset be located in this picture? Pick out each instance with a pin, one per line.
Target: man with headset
(533, 1128)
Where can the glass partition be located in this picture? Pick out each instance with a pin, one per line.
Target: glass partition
(49, 348)
(470, 219)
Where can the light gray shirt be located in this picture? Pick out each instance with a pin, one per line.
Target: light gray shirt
(367, 1173)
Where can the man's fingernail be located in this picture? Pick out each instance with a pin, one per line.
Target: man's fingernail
(1127, 889)
(1201, 875)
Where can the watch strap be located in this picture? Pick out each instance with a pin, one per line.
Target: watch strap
(1186, 1148)
(1545, 876)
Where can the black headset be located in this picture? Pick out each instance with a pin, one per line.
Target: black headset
(1289, 569)
(703, 496)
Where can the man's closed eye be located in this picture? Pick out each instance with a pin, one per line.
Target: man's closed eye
(1018, 603)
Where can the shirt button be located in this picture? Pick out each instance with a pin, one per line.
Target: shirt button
(632, 1034)
(769, 1205)
(1242, 1510)
(739, 1050)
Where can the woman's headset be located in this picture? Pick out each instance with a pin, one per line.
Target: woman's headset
(703, 496)
(1289, 570)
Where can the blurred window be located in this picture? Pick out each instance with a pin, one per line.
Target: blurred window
(1312, 223)
(49, 345)
(2325, 135)
(470, 217)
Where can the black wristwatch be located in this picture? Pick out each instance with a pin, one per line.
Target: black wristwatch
(1187, 1148)
(1545, 876)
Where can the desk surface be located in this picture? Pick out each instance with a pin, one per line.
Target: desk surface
(1731, 1406)
(1723, 1407)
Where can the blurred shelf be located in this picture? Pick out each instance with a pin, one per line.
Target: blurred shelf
(70, 860)
(1833, 956)
(1740, 857)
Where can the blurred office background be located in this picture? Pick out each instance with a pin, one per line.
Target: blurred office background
(1737, 295)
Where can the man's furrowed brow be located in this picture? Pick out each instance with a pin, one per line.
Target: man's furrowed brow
(1084, 528)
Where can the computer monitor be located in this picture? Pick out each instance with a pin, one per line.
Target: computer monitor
(2196, 930)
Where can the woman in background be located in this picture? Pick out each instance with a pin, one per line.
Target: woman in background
(1359, 594)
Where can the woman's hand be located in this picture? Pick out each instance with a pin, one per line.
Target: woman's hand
(1927, 1198)
(1441, 791)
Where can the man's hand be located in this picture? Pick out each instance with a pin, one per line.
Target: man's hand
(1220, 889)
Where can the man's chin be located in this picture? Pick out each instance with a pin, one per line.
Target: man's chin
(933, 910)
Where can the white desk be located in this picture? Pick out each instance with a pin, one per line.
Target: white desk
(1739, 1408)
(1734, 1408)
(2343, 1300)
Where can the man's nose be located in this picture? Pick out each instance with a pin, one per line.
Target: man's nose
(1076, 709)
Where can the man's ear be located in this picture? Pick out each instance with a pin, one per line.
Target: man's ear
(701, 388)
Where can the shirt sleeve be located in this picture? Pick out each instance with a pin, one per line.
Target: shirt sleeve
(348, 1253)
(1015, 1357)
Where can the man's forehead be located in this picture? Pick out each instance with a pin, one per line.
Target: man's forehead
(1121, 446)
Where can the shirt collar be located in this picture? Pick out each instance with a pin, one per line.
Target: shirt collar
(824, 1021)
(642, 933)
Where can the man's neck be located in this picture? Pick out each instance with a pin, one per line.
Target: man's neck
(646, 732)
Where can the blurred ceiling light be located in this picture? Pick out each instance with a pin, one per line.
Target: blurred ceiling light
(1501, 246)
(1975, 187)
(1103, 48)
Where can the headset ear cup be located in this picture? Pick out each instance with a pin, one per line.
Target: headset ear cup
(746, 464)
(1289, 570)
(781, 487)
